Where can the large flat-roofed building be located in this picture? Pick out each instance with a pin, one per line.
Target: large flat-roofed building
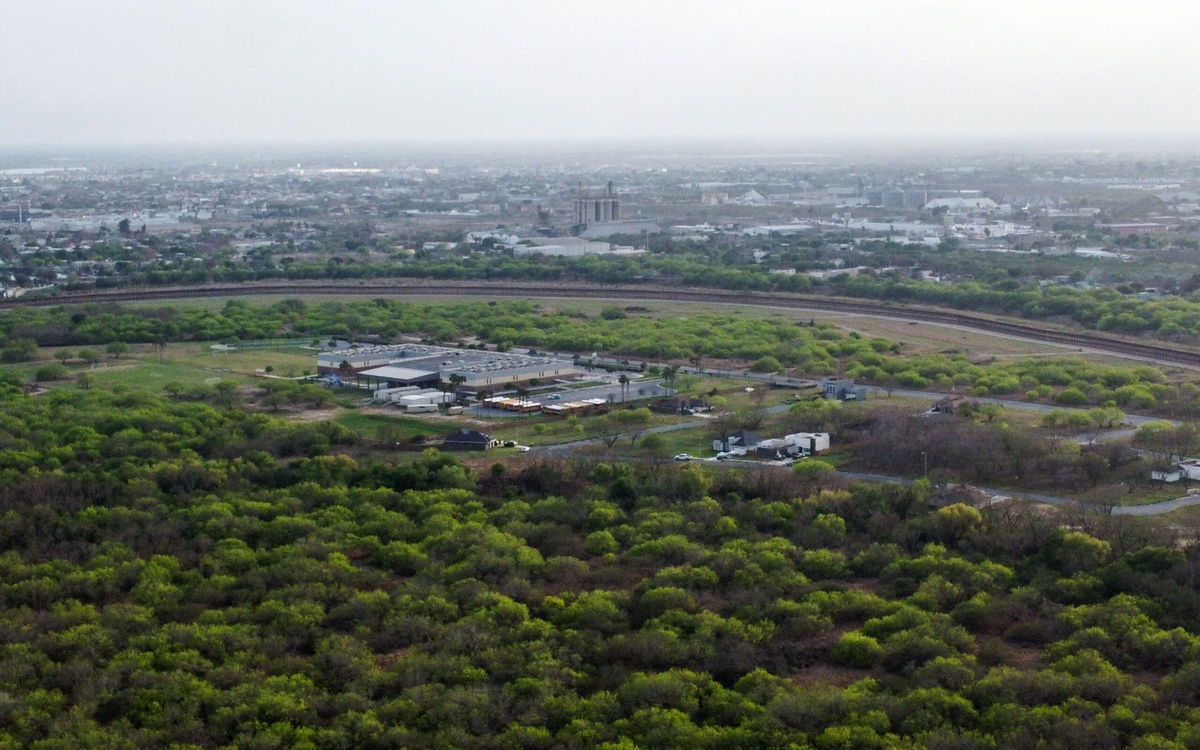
(503, 369)
(1129, 229)
(390, 376)
(375, 367)
(573, 247)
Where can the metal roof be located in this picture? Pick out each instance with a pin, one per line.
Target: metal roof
(391, 372)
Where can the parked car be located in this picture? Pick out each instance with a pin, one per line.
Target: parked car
(510, 443)
(682, 457)
(522, 449)
(555, 396)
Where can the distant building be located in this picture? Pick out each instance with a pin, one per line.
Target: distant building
(498, 238)
(911, 200)
(572, 247)
(1127, 230)
(596, 209)
(625, 226)
(962, 206)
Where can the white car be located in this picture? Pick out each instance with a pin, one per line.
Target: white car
(682, 457)
(522, 449)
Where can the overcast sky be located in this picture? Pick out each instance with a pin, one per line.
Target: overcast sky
(289, 71)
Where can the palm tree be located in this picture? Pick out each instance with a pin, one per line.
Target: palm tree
(669, 374)
(624, 381)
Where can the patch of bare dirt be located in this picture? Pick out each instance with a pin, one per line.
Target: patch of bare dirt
(827, 674)
(310, 415)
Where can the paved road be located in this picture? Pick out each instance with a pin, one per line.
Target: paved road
(1149, 509)
(998, 495)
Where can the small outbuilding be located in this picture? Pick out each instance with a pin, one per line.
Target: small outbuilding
(739, 443)
(950, 404)
(842, 389)
(1168, 474)
(681, 405)
(469, 440)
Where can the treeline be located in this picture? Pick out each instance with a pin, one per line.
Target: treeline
(1105, 310)
(689, 269)
(1068, 381)
(505, 323)
(181, 575)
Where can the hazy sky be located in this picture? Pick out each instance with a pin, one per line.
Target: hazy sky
(287, 71)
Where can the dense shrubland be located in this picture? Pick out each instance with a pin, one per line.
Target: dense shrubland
(179, 573)
(765, 344)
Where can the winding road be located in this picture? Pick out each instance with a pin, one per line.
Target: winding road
(1148, 509)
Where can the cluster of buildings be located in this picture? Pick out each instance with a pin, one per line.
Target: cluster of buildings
(557, 408)
(468, 371)
(99, 221)
(414, 399)
(794, 445)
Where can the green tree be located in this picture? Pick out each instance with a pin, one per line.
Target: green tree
(766, 364)
(857, 651)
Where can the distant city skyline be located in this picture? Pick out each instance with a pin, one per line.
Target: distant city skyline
(131, 72)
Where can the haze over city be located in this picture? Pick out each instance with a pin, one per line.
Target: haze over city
(274, 72)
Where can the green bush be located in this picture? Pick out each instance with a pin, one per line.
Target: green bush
(47, 373)
(856, 650)
(1071, 397)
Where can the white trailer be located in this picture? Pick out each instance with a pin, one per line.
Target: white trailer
(426, 397)
(391, 394)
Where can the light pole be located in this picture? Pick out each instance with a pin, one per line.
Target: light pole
(925, 462)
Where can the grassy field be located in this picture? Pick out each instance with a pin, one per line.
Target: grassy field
(190, 364)
(731, 392)
(918, 337)
(545, 430)
(403, 428)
